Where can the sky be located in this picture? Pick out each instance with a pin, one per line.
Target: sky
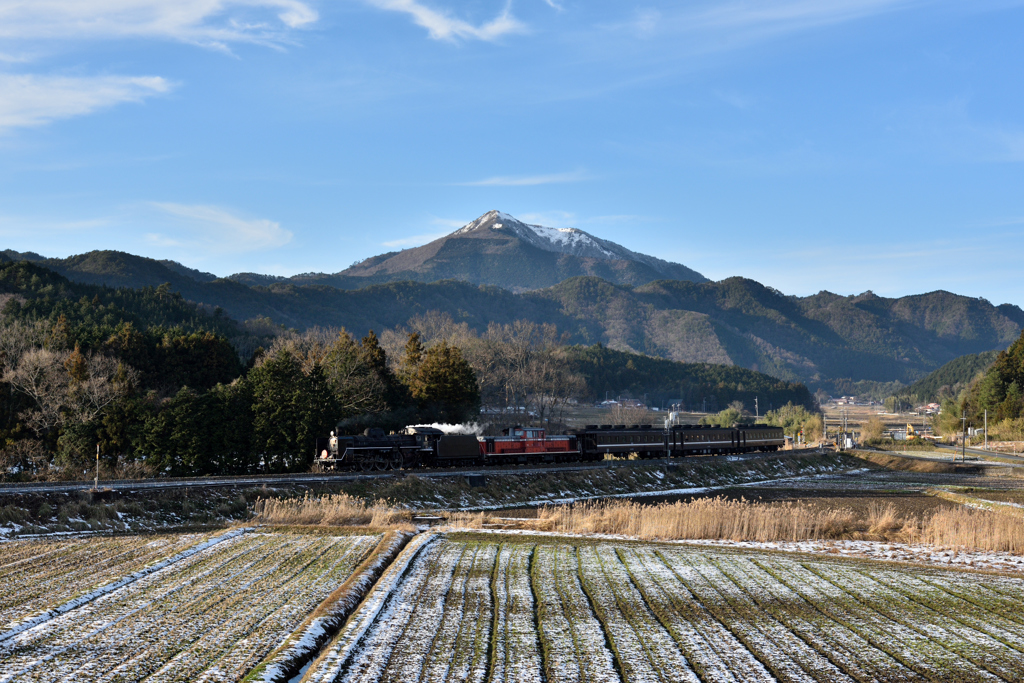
(841, 145)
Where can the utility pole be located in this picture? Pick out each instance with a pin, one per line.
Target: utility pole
(986, 429)
(757, 411)
(963, 444)
(97, 467)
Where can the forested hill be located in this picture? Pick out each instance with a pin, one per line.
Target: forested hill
(696, 384)
(817, 339)
(949, 380)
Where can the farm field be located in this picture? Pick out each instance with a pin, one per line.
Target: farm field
(39, 575)
(504, 607)
(208, 615)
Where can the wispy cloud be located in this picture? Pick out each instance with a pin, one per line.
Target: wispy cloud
(30, 100)
(22, 226)
(212, 23)
(441, 25)
(708, 26)
(952, 129)
(35, 99)
(526, 181)
(414, 240)
(216, 229)
(551, 219)
(647, 21)
(766, 17)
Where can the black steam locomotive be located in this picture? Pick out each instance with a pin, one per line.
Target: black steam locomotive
(429, 447)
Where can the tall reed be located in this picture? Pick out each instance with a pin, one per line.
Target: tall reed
(703, 518)
(964, 527)
(331, 510)
(741, 520)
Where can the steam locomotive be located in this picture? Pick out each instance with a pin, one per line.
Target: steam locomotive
(373, 450)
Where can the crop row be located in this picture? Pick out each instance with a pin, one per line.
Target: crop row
(209, 617)
(511, 608)
(38, 575)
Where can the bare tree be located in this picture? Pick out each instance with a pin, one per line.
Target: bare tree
(357, 387)
(17, 338)
(532, 377)
(67, 387)
(106, 380)
(630, 414)
(551, 385)
(40, 375)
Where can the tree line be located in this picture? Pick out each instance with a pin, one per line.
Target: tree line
(167, 387)
(203, 412)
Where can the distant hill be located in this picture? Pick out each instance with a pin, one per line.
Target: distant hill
(11, 255)
(951, 378)
(695, 384)
(824, 340)
(500, 250)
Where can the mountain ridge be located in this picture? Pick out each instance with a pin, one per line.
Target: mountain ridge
(819, 339)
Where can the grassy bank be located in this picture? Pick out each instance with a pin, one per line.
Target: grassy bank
(722, 519)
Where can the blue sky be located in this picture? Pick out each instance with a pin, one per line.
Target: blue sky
(809, 144)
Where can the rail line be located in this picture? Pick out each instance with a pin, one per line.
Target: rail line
(129, 485)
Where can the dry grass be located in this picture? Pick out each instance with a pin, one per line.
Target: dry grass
(892, 462)
(331, 510)
(965, 527)
(706, 518)
(719, 518)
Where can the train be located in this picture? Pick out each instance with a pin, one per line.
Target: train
(376, 451)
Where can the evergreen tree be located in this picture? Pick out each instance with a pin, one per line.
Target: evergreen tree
(290, 409)
(444, 385)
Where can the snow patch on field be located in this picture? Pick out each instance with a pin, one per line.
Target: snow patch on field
(111, 587)
(304, 644)
(873, 550)
(343, 648)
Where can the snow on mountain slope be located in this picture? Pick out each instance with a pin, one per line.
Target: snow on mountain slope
(560, 240)
(501, 250)
(564, 241)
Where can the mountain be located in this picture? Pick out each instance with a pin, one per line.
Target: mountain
(11, 255)
(820, 340)
(497, 249)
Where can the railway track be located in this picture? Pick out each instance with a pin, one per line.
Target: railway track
(127, 485)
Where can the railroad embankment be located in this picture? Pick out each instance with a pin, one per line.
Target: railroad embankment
(504, 489)
(198, 508)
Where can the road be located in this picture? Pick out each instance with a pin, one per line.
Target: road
(982, 453)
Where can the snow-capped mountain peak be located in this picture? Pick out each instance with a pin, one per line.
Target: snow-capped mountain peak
(560, 240)
(502, 250)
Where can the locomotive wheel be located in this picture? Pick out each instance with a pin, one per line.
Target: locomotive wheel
(366, 464)
(395, 461)
(380, 462)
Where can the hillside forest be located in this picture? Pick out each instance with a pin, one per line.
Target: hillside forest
(166, 387)
(999, 390)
